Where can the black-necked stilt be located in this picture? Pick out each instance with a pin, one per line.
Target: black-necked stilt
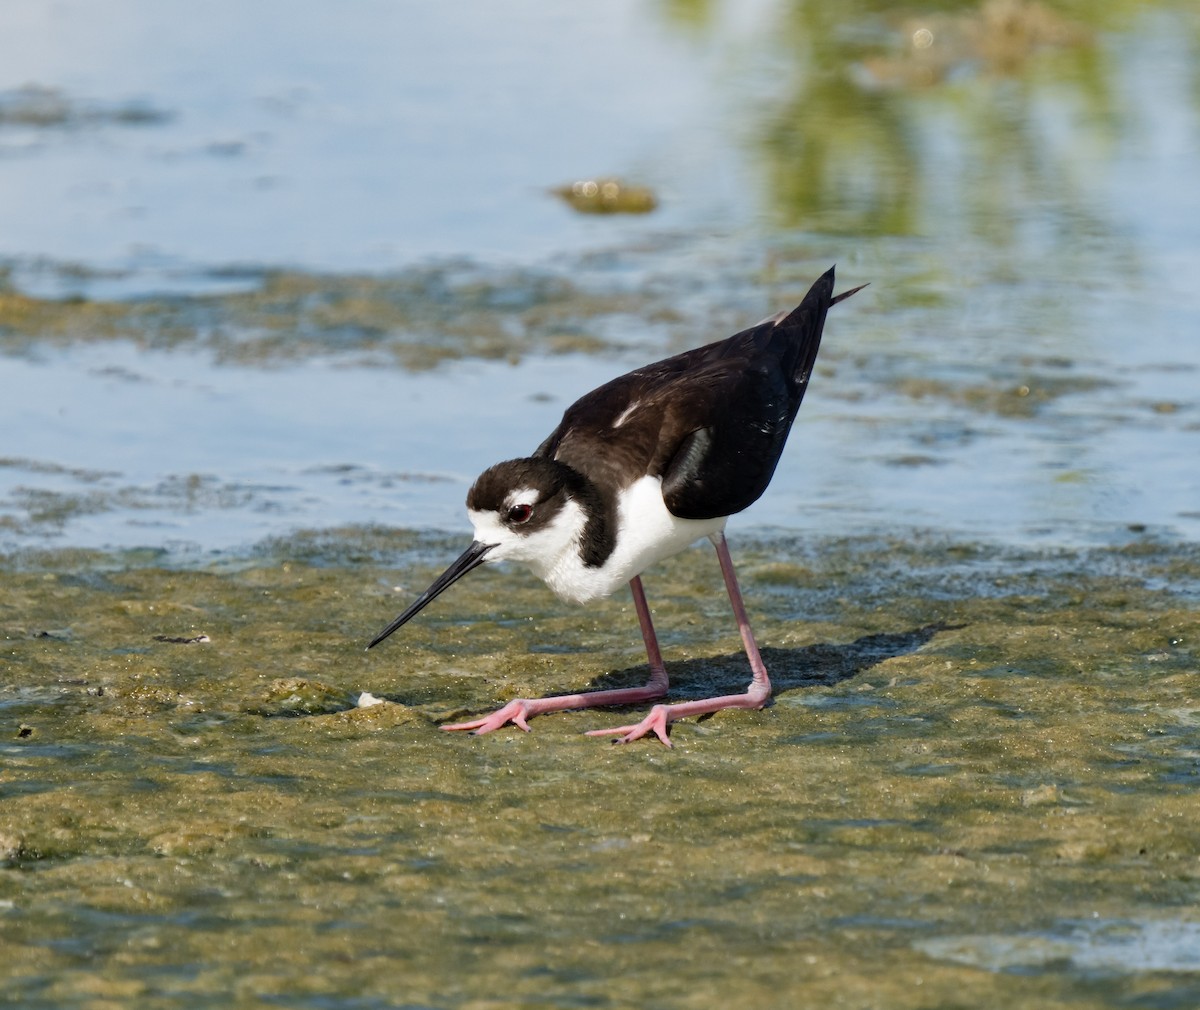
(639, 469)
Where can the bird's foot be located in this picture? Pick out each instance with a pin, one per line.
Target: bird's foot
(656, 722)
(516, 712)
(661, 716)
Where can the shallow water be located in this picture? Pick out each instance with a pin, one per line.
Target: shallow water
(259, 329)
(1022, 367)
(164, 434)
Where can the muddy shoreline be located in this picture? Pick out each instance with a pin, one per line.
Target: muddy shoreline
(973, 754)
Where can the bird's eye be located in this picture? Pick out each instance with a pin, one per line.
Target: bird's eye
(520, 514)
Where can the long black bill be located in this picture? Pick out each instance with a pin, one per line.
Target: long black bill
(472, 557)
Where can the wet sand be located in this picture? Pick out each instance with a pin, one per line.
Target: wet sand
(976, 785)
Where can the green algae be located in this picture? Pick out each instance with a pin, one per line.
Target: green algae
(1021, 398)
(43, 107)
(43, 511)
(965, 741)
(413, 319)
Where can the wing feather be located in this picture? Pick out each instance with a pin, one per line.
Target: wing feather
(711, 422)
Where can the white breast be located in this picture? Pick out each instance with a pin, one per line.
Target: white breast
(646, 533)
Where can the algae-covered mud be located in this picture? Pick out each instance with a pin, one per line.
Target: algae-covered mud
(976, 787)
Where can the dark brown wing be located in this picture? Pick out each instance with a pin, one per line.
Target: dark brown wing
(723, 467)
(711, 422)
(634, 423)
(726, 465)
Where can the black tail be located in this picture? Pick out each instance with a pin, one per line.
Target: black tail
(725, 466)
(798, 334)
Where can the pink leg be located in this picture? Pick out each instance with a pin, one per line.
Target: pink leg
(757, 693)
(519, 711)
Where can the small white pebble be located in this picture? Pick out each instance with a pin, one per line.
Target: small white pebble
(366, 700)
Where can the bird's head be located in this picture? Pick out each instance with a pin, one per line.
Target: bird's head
(525, 510)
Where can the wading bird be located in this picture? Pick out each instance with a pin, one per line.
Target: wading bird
(639, 469)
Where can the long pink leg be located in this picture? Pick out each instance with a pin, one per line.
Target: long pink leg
(519, 711)
(757, 693)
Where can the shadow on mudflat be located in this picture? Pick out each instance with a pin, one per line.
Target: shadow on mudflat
(813, 665)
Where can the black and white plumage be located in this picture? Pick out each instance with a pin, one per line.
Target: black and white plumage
(637, 470)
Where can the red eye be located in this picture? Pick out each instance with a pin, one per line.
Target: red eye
(520, 514)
